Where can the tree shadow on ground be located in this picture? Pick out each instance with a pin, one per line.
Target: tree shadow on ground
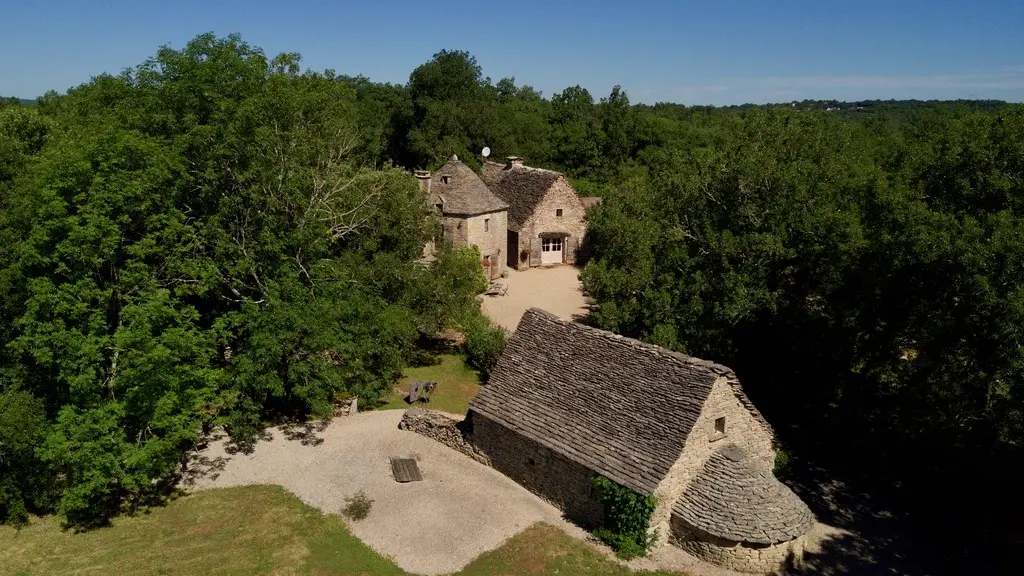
(586, 318)
(246, 445)
(306, 433)
(869, 539)
(197, 466)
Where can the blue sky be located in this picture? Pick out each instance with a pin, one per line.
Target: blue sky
(706, 52)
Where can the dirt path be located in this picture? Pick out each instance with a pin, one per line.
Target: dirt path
(556, 289)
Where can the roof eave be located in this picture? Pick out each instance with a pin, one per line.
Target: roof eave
(462, 214)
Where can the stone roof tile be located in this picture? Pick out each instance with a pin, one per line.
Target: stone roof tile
(613, 404)
(464, 193)
(522, 187)
(733, 498)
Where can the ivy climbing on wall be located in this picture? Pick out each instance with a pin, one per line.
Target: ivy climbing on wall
(627, 518)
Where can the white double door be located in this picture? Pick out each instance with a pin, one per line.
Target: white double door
(551, 251)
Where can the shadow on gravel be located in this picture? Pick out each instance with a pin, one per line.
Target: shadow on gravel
(871, 540)
(197, 467)
(306, 433)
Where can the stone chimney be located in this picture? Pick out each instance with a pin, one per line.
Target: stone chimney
(513, 161)
(424, 177)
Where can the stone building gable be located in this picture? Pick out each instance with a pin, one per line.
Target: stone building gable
(613, 404)
(743, 427)
(545, 218)
(521, 187)
(461, 192)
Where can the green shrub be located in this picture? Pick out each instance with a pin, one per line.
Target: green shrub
(782, 469)
(22, 478)
(357, 506)
(627, 519)
(484, 344)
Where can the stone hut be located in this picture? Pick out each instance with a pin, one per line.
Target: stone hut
(546, 219)
(566, 401)
(471, 213)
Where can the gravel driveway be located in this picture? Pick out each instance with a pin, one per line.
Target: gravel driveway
(556, 289)
(460, 510)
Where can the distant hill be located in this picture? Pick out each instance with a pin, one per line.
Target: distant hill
(867, 106)
(13, 100)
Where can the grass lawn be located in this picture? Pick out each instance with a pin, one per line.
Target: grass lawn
(457, 384)
(260, 530)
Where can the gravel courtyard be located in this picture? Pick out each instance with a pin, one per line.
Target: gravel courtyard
(556, 289)
(460, 510)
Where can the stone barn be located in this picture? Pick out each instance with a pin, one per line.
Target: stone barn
(566, 401)
(472, 215)
(546, 218)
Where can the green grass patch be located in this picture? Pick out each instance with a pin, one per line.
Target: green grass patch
(261, 530)
(243, 531)
(457, 385)
(542, 550)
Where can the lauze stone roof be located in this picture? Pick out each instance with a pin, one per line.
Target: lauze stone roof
(613, 404)
(465, 194)
(732, 498)
(521, 187)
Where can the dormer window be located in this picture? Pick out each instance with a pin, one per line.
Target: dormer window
(446, 179)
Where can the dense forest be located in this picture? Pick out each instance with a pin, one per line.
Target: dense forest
(216, 238)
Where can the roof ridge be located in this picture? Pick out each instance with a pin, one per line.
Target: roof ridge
(686, 359)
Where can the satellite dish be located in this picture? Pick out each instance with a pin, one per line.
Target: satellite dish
(486, 151)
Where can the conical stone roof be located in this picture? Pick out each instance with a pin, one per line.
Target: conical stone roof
(733, 498)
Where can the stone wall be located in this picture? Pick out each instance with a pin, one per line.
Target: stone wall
(734, 555)
(547, 474)
(491, 238)
(347, 407)
(741, 428)
(442, 429)
(562, 196)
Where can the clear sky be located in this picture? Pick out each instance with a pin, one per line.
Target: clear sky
(693, 52)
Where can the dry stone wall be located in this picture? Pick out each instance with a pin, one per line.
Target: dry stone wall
(564, 483)
(547, 474)
(734, 555)
(347, 407)
(442, 429)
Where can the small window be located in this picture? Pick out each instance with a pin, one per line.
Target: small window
(558, 213)
(445, 179)
(487, 224)
(720, 425)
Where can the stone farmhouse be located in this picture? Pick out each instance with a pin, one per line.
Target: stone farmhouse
(566, 401)
(546, 217)
(518, 216)
(471, 214)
